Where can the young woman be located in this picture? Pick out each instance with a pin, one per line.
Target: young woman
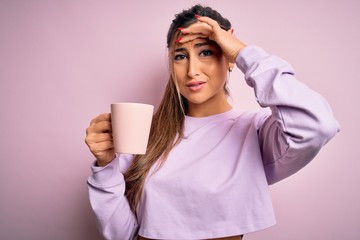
(207, 169)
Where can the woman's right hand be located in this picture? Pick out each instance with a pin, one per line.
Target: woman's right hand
(209, 28)
(99, 139)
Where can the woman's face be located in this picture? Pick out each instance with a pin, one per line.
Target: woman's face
(200, 70)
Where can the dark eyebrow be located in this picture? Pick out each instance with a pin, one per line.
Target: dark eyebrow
(197, 45)
(179, 49)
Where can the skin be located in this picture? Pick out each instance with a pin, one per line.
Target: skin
(201, 72)
(209, 28)
(204, 52)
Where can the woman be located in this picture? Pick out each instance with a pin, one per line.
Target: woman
(206, 171)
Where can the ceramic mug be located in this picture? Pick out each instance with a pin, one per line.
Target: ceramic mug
(131, 124)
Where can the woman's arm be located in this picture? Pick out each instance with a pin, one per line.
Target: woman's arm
(107, 185)
(112, 210)
(301, 122)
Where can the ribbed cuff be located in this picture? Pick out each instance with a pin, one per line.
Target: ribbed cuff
(107, 176)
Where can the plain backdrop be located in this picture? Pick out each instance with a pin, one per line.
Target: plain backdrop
(62, 62)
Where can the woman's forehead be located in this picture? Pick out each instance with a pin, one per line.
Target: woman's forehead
(193, 44)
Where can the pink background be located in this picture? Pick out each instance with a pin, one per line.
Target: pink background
(62, 62)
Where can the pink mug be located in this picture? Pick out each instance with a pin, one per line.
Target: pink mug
(131, 124)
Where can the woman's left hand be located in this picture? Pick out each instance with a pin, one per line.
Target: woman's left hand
(209, 28)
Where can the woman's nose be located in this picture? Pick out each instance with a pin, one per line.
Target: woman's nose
(193, 67)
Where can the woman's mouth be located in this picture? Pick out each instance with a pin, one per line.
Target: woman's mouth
(195, 86)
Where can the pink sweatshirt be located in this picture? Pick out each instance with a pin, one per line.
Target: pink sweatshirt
(215, 181)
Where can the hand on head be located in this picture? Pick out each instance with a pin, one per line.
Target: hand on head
(209, 28)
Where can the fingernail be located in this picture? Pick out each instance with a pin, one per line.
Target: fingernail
(197, 16)
(178, 40)
(180, 29)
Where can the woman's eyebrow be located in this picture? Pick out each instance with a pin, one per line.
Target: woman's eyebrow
(179, 49)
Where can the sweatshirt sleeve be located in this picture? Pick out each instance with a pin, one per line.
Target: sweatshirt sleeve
(301, 121)
(106, 192)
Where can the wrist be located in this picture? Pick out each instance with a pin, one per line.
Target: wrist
(237, 51)
(103, 163)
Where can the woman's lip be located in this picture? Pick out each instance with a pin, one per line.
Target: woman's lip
(191, 84)
(196, 86)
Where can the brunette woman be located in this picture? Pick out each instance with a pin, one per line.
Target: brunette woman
(207, 168)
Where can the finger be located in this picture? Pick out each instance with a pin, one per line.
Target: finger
(101, 147)
(101, 117)
(99, 127)
(196, 28)
(190, 37)
(99, 137)
(214, 24)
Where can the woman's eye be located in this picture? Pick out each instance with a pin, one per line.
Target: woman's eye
(179, 57)
(206, 53)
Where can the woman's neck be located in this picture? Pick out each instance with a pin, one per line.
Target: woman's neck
(205, 110)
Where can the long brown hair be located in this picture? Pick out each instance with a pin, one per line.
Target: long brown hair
(168, 121)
